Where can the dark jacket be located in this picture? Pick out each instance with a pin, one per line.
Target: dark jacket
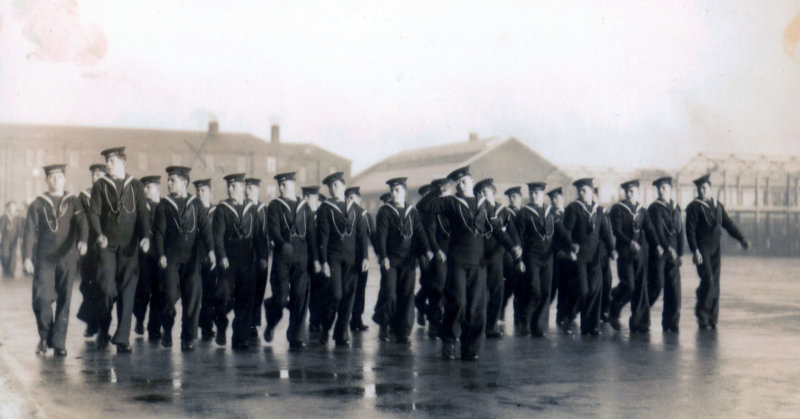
(400, 235)
(704, 223)
(583, 224)
(291, 226)
(238, 233)
(667, 222)
(180, 225)
(339, 228)
(536, 226)
(469, 223)
(119, 211)
(503, 235)
(631, 223)
(54, 227)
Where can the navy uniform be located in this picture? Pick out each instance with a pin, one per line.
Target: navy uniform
(438, 231)
(339, 231)
(368, 223)
(605, 264)
(536, 225)
(664, 267)
(238, 238)
(262, 266)
(421, 298)
(465, 287)
(633, 230)
(181, 224)
(119, 214)
(563, 268)
(501, 238)
(87, 312)
(401, 238)
(583, 227)
(208, 274)
(291, 226)
(147, 293)
(55, 232)
(317, 279)
(510, 273)
(11, 229)
(705, 219)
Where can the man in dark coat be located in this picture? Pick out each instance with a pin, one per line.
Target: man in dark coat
(510, 273)
(208, 273)
(147, 293)
(87, 312)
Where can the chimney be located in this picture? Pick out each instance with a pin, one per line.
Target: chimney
(473, 136)
(275, 136)
(213, 127)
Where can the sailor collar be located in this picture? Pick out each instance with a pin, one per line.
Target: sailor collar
(111, 182)
(546, 208)
(583, 205)
(189, 200)
(396, 210)
(247, 206)
(626, 205)
(706, 204)
(49, 201)
(669, 205)
(463, 201)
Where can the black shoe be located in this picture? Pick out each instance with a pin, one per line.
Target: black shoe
(359, 327)
(253, 333)
(420, 317)
(166, 340)
(90, 331)
(704, 326)
(537, 334)
(449, 351)
(605, 318)
(124, 348)
(139, 328)
(615, 324)
(404, 340)
(343, 343)
(384, 334)
(102, 341)
(469, 357)
(41, 347)
(239, 345)
(220, 339)
(641, 330)
(521, 330)
(268, 334)
(322, 337)
(187, 346)
(566, 327)
(593, 332)
(296, 345)
(493, 334)
(207, 334)
(433, 332)
(154, 336)
(60, 352)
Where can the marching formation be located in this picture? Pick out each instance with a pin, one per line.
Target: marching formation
(138, 252)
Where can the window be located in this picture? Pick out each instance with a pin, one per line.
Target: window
(142, 161)
(74, 159)
(271, 164)
(241, 164)
(301, 174)
(209, 162)
(176, 159)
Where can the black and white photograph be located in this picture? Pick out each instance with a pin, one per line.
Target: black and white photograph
(369, 209)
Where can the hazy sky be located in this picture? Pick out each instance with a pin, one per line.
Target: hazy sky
(622, 84)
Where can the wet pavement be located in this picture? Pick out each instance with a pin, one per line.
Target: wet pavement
(749, 366)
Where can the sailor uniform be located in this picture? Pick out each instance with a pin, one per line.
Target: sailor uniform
(87, 312)
(502, 238)
(147, 289)
(663, 271)
(536, 225)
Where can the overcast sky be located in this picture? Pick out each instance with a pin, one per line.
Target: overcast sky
(623, 84)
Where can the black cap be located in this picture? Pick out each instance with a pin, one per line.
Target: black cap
(536, 186)
(437, 183)
(310, 190)
(425, 189)
(513, 190)
(482, 184)
(458, 173)
(54, 168)
(584, 182)
(202, 182)
(234, 177)
(662, 180)
(554, 192)
(150, 179)
(702, 179)
(352, 190)
(182, 171)
(283, 177)
(629, 184)
(333, 177)
(386, 197)
(116, 151)
(98, 167)
(253, 181)
(396, 181)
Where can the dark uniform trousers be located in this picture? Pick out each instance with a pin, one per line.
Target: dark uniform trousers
(8, 251)
(422, 297)
(87, 312)
(182, 281)
(465, 306)
(235, 292)
(395, 305)
(664, 273)
(360, 298)
(339, 293)
(707, 308)
(289, 282)
(563, 272)
(632, 287)
(533, 293)
(605, 293)
(259, 291)
(586, 286)
(52, 282)
(494, 287)
(208, 309)
(117, 276)
(147, 293)
(316, 285)
(512, 280)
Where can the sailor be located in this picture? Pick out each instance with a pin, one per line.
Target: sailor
(252, 193)
(563, 268)
(401, 239)
(438, 230)
(705, 219)
(208, 274)
(119, 217)
(536, 225)
(664, 260)
(147, 292)
(512, 276)
(584, 229)
(181, 224)
(291, 226)
(339, 228)
(87, 312)
(317, 280)
(11, 230)
(55, 235)
(633, 230)
(356, 322)
(421, 298)
(238, 242)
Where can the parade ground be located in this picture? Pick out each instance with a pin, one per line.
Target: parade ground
(748, 367)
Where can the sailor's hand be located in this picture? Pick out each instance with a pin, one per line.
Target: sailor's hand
(614, 255)
(28, 265)
(162, 262)
(224, 263)
(385, 264)
(516, 251)
(745, 244)
(212, 259)
(429, 255)
(698, 258)
(673, 254)
(81, 248)
(364, 265)
(102, 241)
(635, 247)
(145, 244)
(521, 266)
(262, 264)
(442, 257)
(326, 269)
(317, 267)
(659, 250)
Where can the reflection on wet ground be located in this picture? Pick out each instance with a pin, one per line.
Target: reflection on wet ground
(749, 366)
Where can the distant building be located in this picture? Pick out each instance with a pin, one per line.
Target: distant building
(508, 161)
(24, 149)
